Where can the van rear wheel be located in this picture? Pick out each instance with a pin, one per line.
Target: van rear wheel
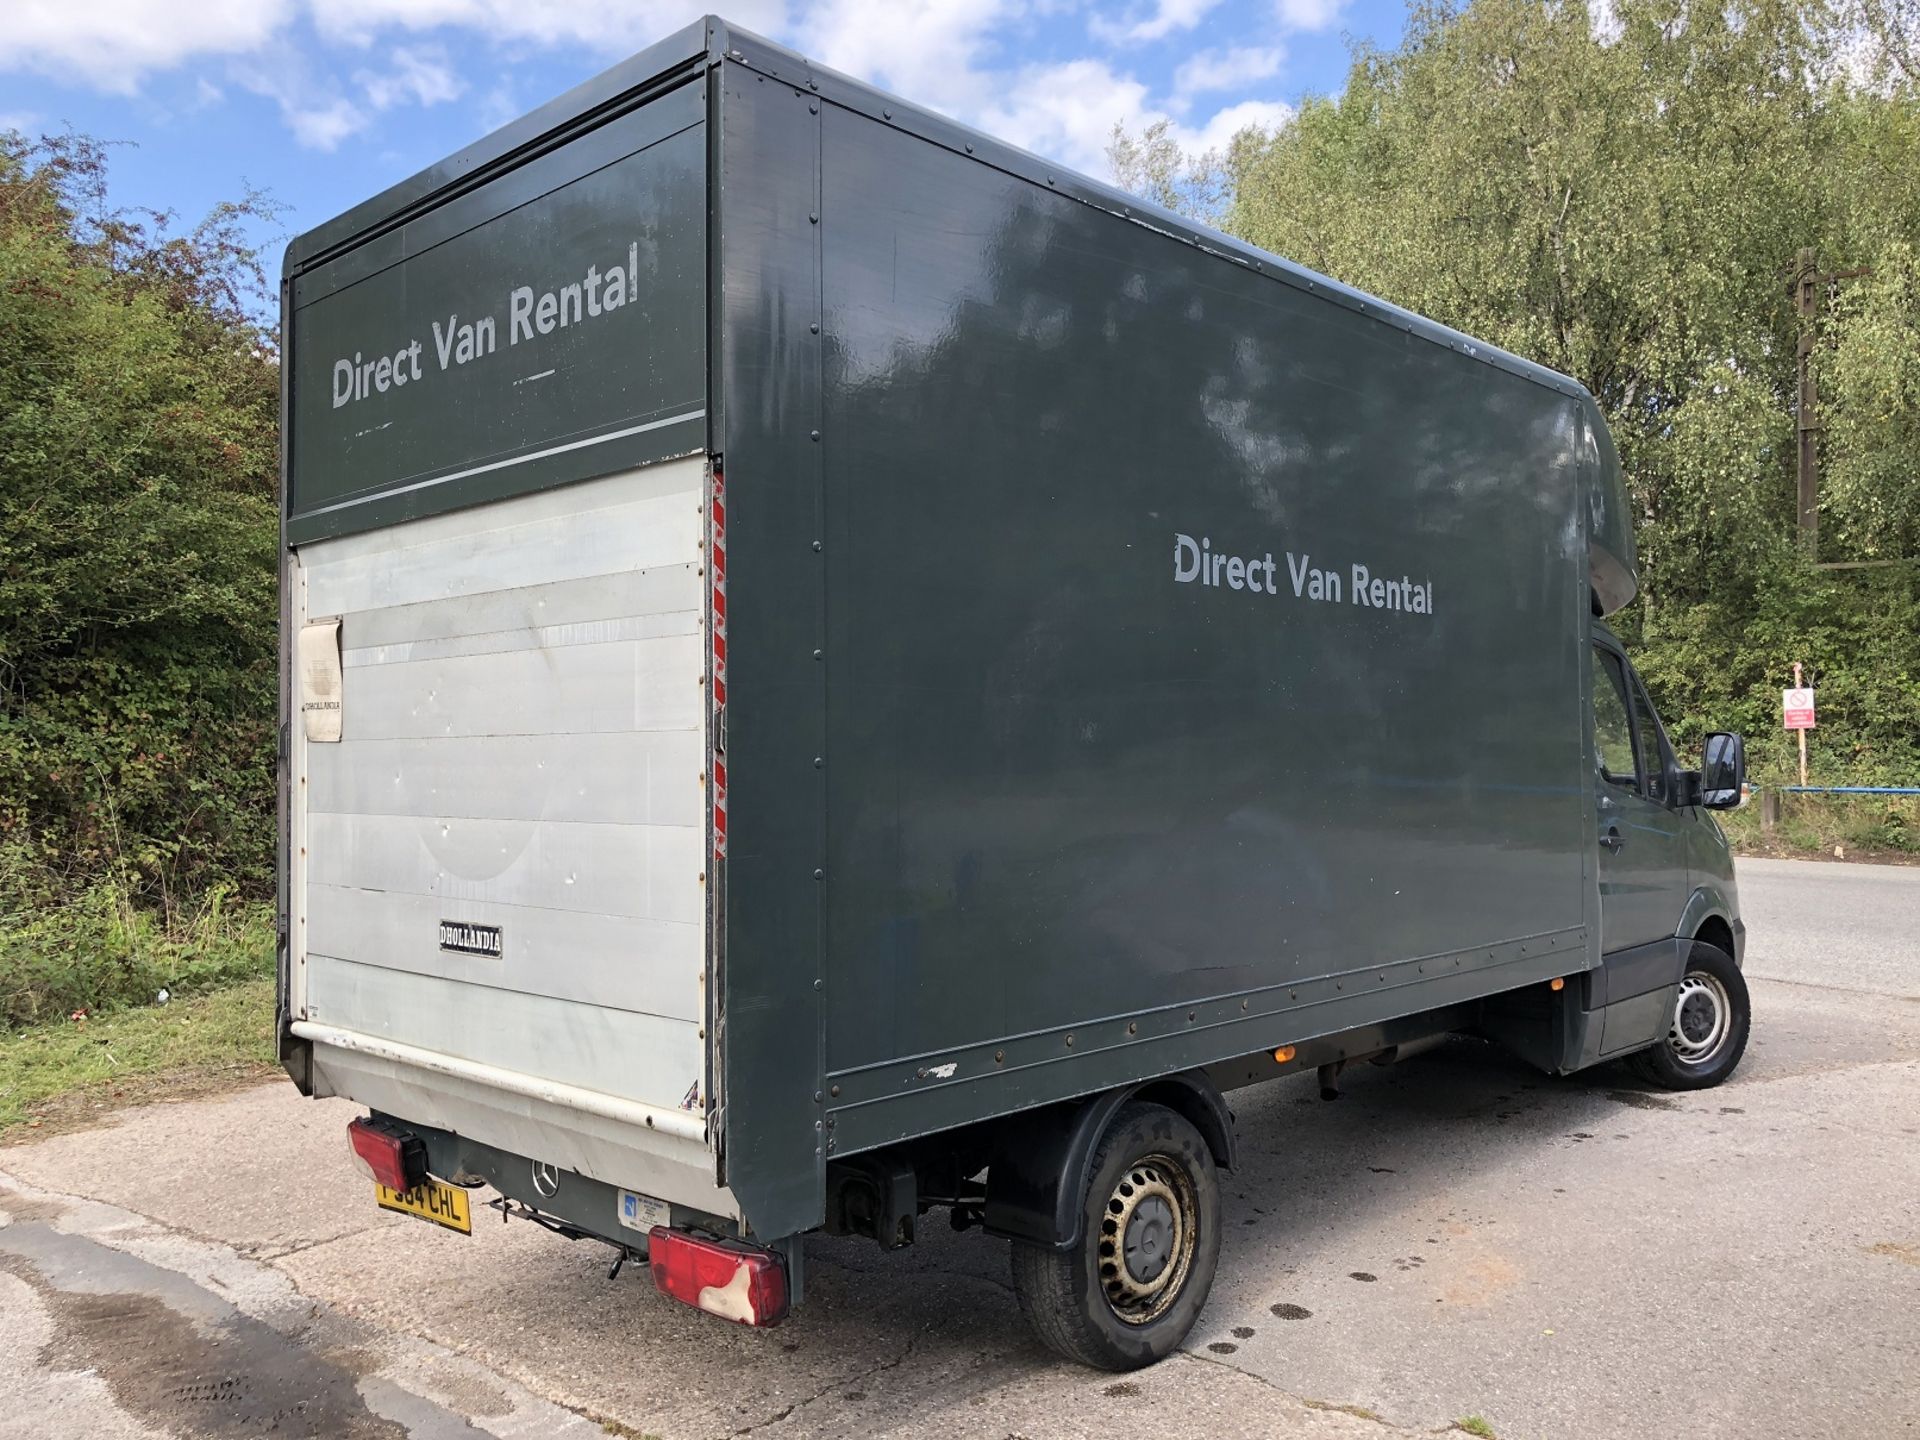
(1707, 1031)
(1127, 1294)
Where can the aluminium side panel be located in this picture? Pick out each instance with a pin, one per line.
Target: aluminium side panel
(1203, 648)
(501, 860)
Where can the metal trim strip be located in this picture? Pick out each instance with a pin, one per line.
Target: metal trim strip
(1208, 1012)
(898, 1099)
(570, 1097)
(351, 501)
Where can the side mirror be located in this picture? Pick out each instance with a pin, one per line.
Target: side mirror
(1723, 771)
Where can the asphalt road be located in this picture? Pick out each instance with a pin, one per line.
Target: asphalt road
(1458, 1236)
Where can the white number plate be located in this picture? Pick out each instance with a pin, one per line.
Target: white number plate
(642, 1212)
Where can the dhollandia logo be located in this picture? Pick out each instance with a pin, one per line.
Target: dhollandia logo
(1196, 562)
(463, 937)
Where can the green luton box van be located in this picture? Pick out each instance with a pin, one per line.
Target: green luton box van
(835, 669)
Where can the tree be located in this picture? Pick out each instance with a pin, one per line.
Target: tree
(1888, 35)
(138, 401)
(1622, 197)
(1155, 166)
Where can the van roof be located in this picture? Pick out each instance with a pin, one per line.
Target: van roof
(710, 41)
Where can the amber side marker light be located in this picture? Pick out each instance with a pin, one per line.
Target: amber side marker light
(1556, 984)
(1283, 1054)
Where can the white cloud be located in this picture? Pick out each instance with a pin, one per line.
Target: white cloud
(322, 112)
(963, 57)
(1226, 69)
(498, 105)
(25, 121)
(608, 27)
(946, 54)
(1223, 125)
(1308, 14)
(112, 44)
(314, 108)
(1167, 16)
(324, 125)
(1067, 112)
(929, 51)
(422, 76)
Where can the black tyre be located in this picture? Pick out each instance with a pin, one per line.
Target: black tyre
(1707, 1032)
(1130, 1291)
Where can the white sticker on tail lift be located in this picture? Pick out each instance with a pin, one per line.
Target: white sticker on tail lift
(320, 679)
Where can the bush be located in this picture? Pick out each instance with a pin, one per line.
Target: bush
(102, 951)
(138, 529)
(1855, 824)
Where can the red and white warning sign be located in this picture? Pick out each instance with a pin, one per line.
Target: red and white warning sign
(1796, 706)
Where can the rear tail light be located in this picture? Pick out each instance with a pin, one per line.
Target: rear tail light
(732, 1281)
(388, 1154)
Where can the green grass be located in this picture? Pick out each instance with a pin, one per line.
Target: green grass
(48, 1072)
(1360, 1412)
(1474, 1425)
(102, 950)
(1817, 824)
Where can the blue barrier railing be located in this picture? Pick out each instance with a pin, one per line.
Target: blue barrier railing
(1841, 789)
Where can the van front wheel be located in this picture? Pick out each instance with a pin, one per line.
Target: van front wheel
(1132, 1288)
(1707, 1031)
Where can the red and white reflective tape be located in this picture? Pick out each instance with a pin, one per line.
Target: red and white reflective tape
(718, 549)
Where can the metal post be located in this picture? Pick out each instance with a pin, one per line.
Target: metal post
(1807, 300)
(1810, 286)
(1803, 733)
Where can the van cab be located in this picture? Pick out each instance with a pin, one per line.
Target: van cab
(1671, 937)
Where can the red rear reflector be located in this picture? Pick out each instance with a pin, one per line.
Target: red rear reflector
(383, 1154)
(733, 1282)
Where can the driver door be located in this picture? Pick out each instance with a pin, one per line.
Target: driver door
(1641, 838)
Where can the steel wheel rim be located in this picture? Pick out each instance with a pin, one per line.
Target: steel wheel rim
(1702, 1019)
(1148, 1235)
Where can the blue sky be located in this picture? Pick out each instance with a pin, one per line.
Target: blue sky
(325, 102)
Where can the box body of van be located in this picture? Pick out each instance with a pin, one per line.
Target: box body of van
(827, 658)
